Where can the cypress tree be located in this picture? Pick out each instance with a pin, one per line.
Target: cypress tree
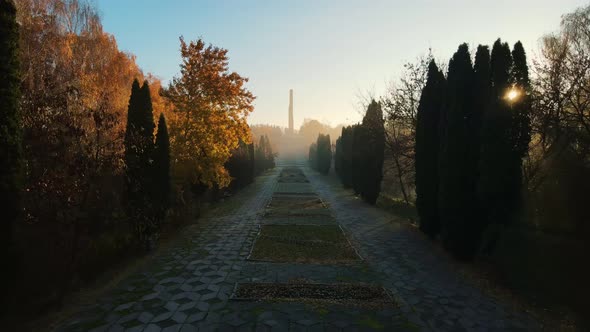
(347, 152)
(270, 160)
(146, 121)
(162, 169)
(521, 109)
(338, 156)
(313, 155)
(357, 164)
(373, 150)
(427, 150)
(132, 149)
(456, 193)
(481, 102)
(139, 149)
(10, 124)
(324, 154)
(147, 126)
(496, 159)
(252, 163)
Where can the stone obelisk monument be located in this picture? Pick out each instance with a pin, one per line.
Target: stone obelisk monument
(291, 111)
(292, 145)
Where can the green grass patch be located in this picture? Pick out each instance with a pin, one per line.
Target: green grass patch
(303, 244)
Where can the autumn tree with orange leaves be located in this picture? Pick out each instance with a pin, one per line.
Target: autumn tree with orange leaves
(211, 105)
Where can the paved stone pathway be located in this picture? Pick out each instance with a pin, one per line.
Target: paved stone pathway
(188, 286)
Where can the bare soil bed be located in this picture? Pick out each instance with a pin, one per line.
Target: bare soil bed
(343, 293)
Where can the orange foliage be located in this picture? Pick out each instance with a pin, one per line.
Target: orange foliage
(210, 109)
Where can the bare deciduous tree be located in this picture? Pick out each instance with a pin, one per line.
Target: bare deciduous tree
(400, 106)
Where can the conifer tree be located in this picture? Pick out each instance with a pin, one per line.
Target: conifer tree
(313, 155)
(10, 124)
(347, 152)
(481, 104)
(323, 154)
(372, 152)
(427, 150)
(270, 160)
(457, 190)
(252, 163)
(132, 149)
(357, 156)
(338, 156)
(162, 181)
(139, 149)
(496, 159)
(521, 108)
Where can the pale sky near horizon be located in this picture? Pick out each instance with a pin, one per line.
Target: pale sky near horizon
(327, 51)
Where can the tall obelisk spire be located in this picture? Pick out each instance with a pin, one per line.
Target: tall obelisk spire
(291, 111)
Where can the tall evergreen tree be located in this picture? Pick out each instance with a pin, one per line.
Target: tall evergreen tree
(346, 175)
(427, 150)
(521, 108)
(132, 149)
(162, 183)
(139, 146)
(496, 159)
(456, 193)
(372, 151)
(270, 157)
(358, 153)
(338, 156)
(481, 104)
(252, 163)
(323, 154)
(313, 155)
(10, 124)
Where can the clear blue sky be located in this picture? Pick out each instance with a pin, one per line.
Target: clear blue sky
(326, 50)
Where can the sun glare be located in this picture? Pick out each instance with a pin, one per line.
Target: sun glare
(512, 94)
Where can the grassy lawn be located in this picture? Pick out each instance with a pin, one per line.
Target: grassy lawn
(296, 206)
(303, 244)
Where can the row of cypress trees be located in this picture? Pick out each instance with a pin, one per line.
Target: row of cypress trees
(359, 154)
(241, 165)
(264, 156)
(472, 132)
(320, 154)
(249, 160)
(147, 165)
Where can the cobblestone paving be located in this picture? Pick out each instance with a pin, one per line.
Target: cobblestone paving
(188, 286)
(438, 298)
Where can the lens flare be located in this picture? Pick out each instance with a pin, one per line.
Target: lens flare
(512, 94)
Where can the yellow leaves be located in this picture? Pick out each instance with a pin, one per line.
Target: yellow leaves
(210, 107)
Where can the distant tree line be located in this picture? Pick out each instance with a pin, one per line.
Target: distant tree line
(359, 154)
(320, 154)
(272, 132)
(311, 128)
(250, 160)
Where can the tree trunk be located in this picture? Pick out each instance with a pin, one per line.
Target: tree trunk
(400, 178)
